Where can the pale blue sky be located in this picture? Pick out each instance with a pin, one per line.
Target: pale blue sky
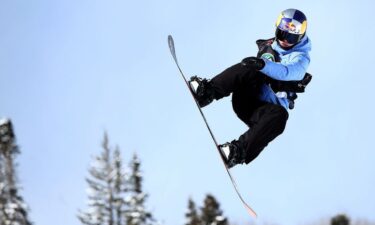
(69, 70)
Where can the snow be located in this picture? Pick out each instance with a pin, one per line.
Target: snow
(91, 192)
(4, 121)
(2, 186)
(220, 218)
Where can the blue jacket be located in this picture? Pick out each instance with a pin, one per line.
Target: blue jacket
(293, 66)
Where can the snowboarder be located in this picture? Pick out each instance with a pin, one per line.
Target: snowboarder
(262, 87)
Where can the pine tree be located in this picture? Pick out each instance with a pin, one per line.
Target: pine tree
(13, 210)
(136, 213)
(340, 220)
(192, 217)
(211, 214)
(106, 189)
(119, 188)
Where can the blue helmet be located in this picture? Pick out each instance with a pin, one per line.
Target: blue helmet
(291, 26)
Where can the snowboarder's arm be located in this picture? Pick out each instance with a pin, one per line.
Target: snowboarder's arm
(294, 70)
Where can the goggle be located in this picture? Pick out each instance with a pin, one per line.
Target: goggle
(285, 36)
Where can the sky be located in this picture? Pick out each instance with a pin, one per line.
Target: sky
(71, 70)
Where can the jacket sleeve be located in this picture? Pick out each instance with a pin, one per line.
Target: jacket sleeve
(293, 70)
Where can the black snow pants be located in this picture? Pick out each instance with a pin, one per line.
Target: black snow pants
(265, 120)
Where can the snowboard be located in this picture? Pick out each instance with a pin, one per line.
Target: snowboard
(222, 155)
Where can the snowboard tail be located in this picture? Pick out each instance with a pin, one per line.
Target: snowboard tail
(222, 155)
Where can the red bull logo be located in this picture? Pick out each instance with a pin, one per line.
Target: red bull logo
(291, 27)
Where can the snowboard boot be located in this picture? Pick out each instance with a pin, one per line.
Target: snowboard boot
(233, 153)
(202, 90)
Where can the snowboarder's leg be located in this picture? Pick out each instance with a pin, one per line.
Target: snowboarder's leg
(266, 123)
(245, 100)
(225, 83)
(245, 104)
(235, 78)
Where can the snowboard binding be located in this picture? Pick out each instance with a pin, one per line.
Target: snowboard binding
(202, 90)
(233, 154)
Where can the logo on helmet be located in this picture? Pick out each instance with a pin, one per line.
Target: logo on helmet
(291, 27)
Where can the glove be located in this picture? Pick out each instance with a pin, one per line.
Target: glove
(253, 63)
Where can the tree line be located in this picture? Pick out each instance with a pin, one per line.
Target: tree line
(115, 194)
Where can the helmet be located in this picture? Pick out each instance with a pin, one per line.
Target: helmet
(291, 26)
